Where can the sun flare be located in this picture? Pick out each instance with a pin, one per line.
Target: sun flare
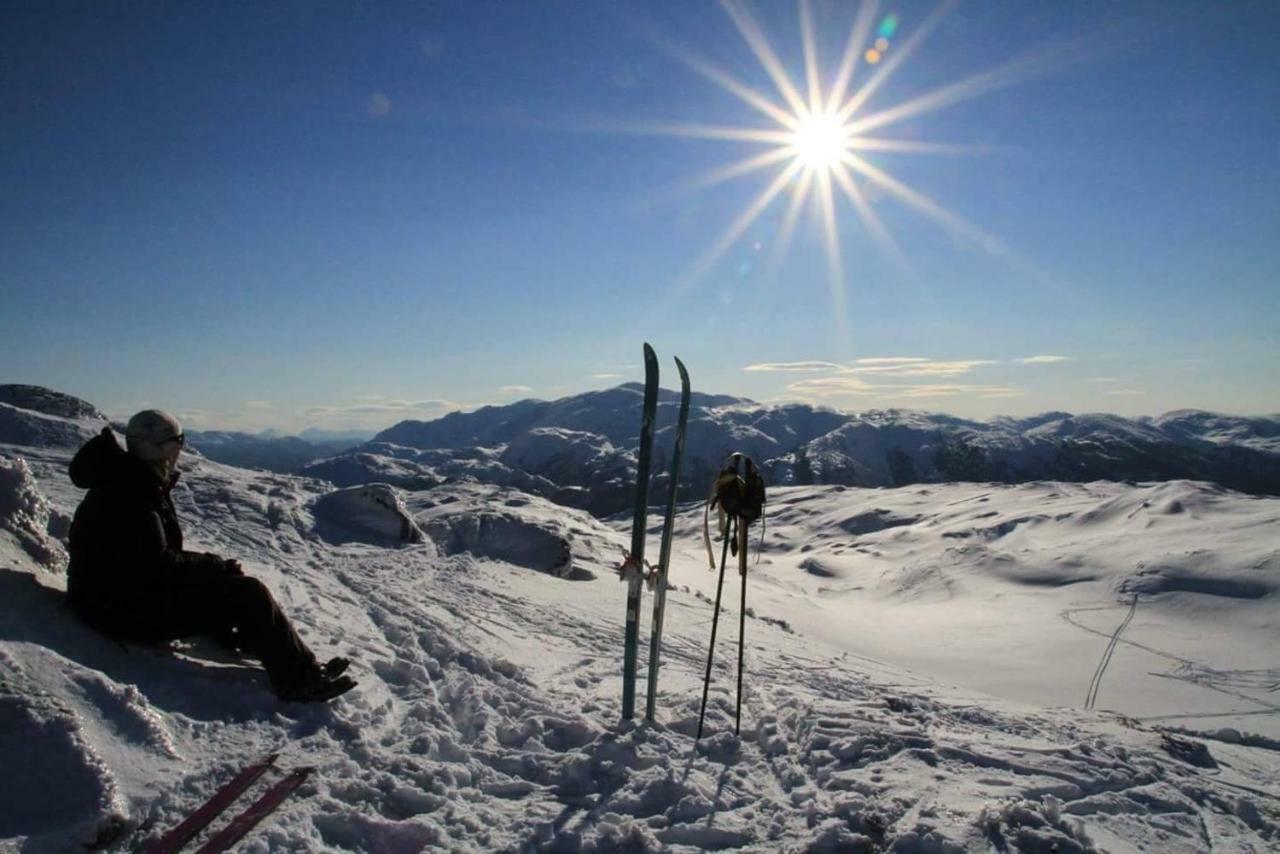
(822, 136)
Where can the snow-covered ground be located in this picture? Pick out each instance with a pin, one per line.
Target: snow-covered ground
(918, 662)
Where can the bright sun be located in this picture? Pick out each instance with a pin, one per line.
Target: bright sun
(821, 131)
(821, 141)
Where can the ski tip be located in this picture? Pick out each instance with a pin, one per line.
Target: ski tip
(648, 351)
(684, 372)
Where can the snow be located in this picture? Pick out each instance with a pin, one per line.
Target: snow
(373, 512)
(27, 516)
(918, 661)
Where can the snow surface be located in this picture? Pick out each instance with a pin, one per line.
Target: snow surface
(918, 663)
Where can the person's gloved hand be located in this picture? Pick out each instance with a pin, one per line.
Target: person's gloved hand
(233, 567)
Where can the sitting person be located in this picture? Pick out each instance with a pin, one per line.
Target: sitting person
(130, 578)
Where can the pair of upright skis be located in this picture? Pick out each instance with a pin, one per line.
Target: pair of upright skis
(633, 569)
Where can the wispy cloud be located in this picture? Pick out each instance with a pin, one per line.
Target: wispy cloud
(257, 405)
(919, 368)
(1043, 360)
(891, 378)
(515, 389)
(794, 366)
(606, 376)
(852, 386)
(1105, 380)
(384, 406)
(897, 366)
(1124, 392)
(956, 390)
(833, 387)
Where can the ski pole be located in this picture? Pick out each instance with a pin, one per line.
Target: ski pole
(743, 536)
(715, 620)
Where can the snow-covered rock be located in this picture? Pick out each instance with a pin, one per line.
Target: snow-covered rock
(361, 467)
(26, 516)
(28, 428)
(371, 510)
(46, 401)
(511, 527)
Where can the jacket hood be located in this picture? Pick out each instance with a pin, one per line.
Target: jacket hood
(101, 462)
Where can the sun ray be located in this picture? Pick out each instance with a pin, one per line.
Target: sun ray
(852, 50)
(1014, 71)
(741, 224)
(869, 218)
(831, 239)
(692, 130)
(912, 146)
(799, 193)
(922, 203)
(899, 56)
(759, 45)
(810, 57)
(745, 166)
(730, 84)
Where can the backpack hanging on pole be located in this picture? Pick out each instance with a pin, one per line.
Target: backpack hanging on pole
(737, 492)
(738, 496)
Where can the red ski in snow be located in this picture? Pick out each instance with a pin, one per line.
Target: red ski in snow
(211, 809)
(255, 812)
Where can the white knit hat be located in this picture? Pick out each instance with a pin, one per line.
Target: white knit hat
(148, 431)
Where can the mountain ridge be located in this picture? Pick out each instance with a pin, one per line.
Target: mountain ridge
(799, 443)
(580, 450)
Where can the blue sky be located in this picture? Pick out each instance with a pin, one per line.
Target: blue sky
(344, 214)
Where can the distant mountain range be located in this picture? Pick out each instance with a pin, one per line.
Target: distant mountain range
(287, 454)
(581, 450)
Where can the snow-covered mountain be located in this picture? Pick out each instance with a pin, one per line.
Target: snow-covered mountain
(580, 451)
(585, 446)
(933, 668)
(47, 401)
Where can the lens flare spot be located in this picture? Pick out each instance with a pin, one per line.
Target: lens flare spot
(872, 56)
(882, 44)
(888, 26)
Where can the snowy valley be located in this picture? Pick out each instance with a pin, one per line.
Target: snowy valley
(931, 666)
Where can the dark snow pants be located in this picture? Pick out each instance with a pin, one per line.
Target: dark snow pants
(215, 608)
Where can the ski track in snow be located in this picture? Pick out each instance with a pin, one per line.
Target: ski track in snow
(487, 716)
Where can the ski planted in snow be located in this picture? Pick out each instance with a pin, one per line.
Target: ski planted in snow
(633, 567)
(255, 812)
(212, 808)
(664, 553)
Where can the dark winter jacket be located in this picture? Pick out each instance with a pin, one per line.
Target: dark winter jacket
(125, 537)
